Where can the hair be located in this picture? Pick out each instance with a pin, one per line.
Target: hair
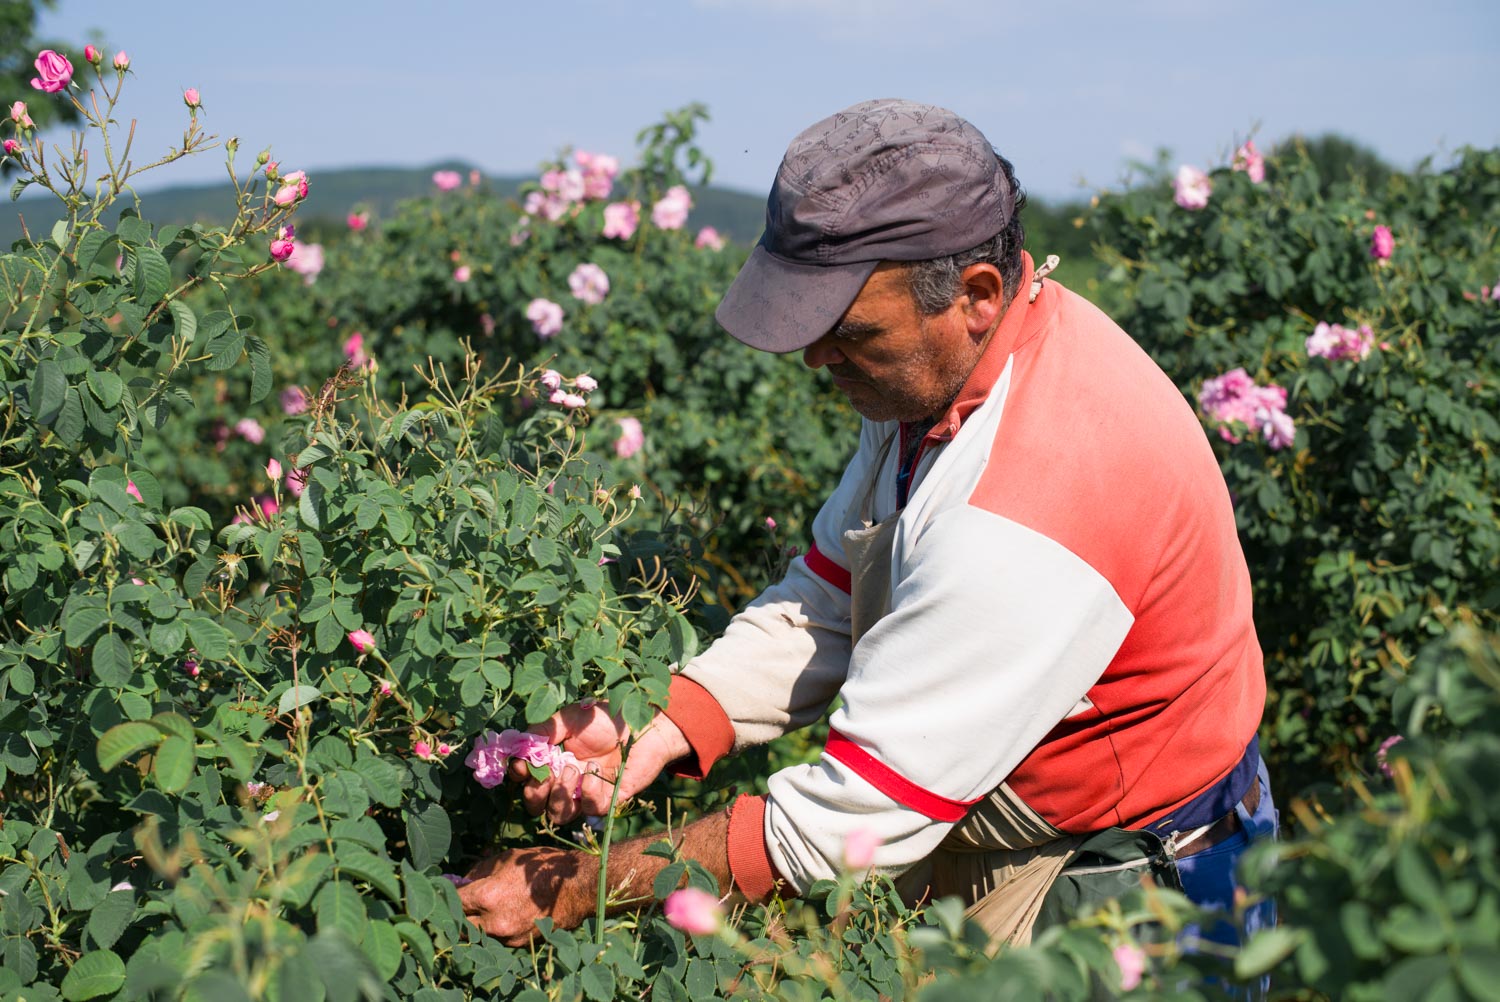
(935, 284)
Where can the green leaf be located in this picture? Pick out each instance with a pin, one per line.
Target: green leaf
(49, 391)
(124, 740)
(184, 321)
(111, 661)
(70, 420)
(421, 899)
(383, 946)
(260, 368)
(211, 639)
(1265, 950)
(297, 695)
(1418, 877)
(110, 917)
(132, 229)
(1479, 972)
(167, 638)
(81, 621)
(338, 906)
(100, 972)
(225, 350)
(428, 832)
(107, 387)
(175, 761)
(365, 865)
(307, 504)
(152, 275)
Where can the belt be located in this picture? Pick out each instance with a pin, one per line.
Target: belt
(1228, 825)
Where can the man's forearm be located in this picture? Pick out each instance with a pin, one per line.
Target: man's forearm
(632, 873)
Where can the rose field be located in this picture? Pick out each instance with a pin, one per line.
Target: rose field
(302, 520)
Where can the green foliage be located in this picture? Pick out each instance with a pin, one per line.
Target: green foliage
(1381, 516)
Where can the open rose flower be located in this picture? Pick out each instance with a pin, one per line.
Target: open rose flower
(709, 239)
(589, 283)
(53, 72)
(492, 754)
(1249, 160)
(546, 317)
(1191, 187)
(1132, 964)
(1382, 243)
(695, 912)
(671, 211)
(632, 437)
(447, 180)
(621, 219)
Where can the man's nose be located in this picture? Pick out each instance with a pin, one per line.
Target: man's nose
(822, 352)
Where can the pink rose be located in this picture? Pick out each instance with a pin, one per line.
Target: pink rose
(599, 170)
(589, 283)
(422, 750)
(273, 469)
(385, 687)
(860, 845)
(1191, 188)
(267, 506)
(1382, 243)
(671, 212)
(250, 430)
(191, 99)
(462, 274)
(354, 350)
(770, 524)
(695, 912)
(621, 219)
(586, 383)
(708, 238)
(122, 61)
(54, 72)
(133, 491)
(1132, 963)
(296, 482)
(447, 180)
(293, 400)
(1220, 396)
(571, 401)
(363, 640)
(307, 261)
(92, 54)
(632, 437)
(1248, 159)
(357, 220)
(1276, 427)
(551, 379)
(191, 667)
(546, 317)
(12, 147)
(22, 118)
(634, 493)
(567, 185)
(282, 246)
(1335, 342)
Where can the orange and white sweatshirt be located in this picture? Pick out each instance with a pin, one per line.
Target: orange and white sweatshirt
(1069, 612)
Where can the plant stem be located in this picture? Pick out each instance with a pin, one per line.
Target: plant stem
(609, 828)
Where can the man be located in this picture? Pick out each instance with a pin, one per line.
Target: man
(1027, 588)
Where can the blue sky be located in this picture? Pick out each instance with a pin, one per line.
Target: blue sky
(1069, 91)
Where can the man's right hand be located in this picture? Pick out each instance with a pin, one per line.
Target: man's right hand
(596, 739)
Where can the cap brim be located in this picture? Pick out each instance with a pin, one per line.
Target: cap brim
(778, 305)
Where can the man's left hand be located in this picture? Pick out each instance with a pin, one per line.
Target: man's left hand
(513, 889)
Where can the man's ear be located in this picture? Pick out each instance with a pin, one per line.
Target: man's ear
(983, 297)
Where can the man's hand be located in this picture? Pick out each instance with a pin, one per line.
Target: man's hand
(596, 739)
(510, 891)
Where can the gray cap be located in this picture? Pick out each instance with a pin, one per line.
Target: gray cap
(885, 180)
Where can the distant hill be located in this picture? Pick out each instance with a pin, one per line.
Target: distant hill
(336, 192)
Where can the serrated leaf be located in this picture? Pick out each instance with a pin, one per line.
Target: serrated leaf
(297, 696)
(152, 275)
(175, 763)
(167, 638)
(100, 972)
(124, 740)
(184, 321)
(109, 917)
(107, 387)
(307, 505)
(428, 833)
(111, 661)
(49, 391)
(211, 640)
(260, 368)
(380, 873)
(421, 899)
(225, 350)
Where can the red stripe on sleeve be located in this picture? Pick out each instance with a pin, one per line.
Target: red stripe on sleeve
(750, 865)
(894, 785)
(703, 722)
(829, 571)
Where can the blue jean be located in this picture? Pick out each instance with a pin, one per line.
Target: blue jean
(1208, 877)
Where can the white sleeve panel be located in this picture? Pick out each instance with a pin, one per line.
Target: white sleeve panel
(783, 658)
(995, 633)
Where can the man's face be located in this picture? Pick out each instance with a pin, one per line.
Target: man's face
(893, 363)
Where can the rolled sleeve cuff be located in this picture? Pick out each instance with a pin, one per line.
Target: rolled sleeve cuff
(749, 860)
(703, 723)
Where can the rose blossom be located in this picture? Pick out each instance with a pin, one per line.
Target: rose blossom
(92, 54)
(283, 245)
(354, 350)
(671, 212)
(54, 72)
(307, 261)
(191, 667)
(363, 641)
(585, 382)
(860, 845)
(12, 147)
(447, 180)
(293, 400)
(122, 61)
(1132, 963)
(1335, 342)
(571, 401)
(632, 437)
(709, 238)
(1275, 426)
(273, 469)
(267, 506)
(250, 430)
(296, 482)
(693, 911)
(191, 98)
(599, 170)
(423, 750)
(357, 220)
(492, 754)
(634, 493)
(1248, 159)
(589, 283)
(546, 317)
(551, 379)
(22, 117)
(621, 219)
(462, 273)
(1191, 187)
(1382, 243)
